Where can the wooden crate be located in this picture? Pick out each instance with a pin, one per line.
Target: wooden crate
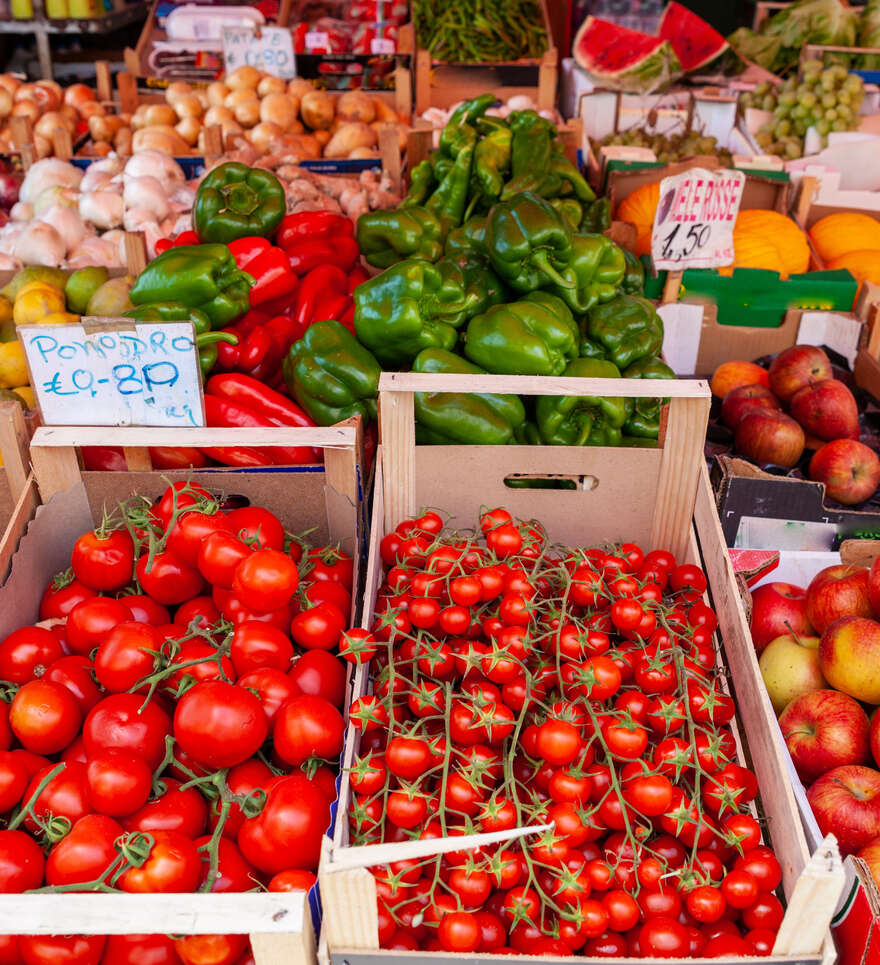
(657, 497)
(324, 498)
(18, 496)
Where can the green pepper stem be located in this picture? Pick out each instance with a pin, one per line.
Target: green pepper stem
(541, 260)
(240, 198)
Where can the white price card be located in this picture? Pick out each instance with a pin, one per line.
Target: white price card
(382, 45)
(693, 226)
(115, 372)
(270, 49)
(315, 39)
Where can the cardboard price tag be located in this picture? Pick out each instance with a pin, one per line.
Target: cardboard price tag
(270, 50)
(693, 226)
(115, 372)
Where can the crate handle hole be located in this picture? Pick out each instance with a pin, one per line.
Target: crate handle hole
(558, 481)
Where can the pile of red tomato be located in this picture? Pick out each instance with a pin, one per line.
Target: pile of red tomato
(173, 723)
(517, 683)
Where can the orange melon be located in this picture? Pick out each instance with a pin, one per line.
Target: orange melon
(836, 234)
(863, 265)
(639, 209)
(788, 239)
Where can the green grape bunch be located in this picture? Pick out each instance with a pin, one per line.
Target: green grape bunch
(827, 98)
(667, 147)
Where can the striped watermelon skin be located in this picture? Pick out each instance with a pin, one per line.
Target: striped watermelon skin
(695, 42)
(618, 58)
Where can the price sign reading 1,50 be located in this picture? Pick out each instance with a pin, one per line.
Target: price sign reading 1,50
(683, 241)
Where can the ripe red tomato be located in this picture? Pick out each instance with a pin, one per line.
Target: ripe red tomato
(122, 722)
(307, 726)
(287, 833)
(219, 724)
(127, 653)
(140, 950)
(331, 564)
(258, 526)
(44, 716)
(187, 533)
(219, 556)
(119, 783)
(144, 609)
(173, 865)
(85, 853)
(184, 811)
(265, 580)
(740, 889)
(664, 937)
(61, 950)
(210, 949)
(27, 652)
(103, 561)
(293, 880)
(21, 863)
(75, 673)
(319, 627)
(200, 609)
(256, 644)
(167, 579)
(61, 596)
(234, 873)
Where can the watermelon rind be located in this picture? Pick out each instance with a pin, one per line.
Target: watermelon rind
(621, 59)
(695, 42)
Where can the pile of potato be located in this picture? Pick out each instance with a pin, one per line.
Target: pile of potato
(48, 106)
(271, 114)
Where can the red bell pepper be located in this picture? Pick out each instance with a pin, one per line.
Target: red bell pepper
(258, 353)
(342, 251)
(221, 413)
(104, 459)
(285, 330)
(177, 457)
(316, 290)
(184, 238)
(311, 226)
(357, 276)
(267, 264)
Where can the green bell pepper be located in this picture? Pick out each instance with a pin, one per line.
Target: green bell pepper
(531, 155)
(572, 179)
(627, 327)
(596, 217)
(448, 202)
(461, 418)
(634, 276)
(480, 286)
(492, 160)
(411, 306)
(197, 276)
(331, 375)
(596, 267)
(582, 420)
(206, 340)
(527, 435)
(421, 184)
(469, 239)
(386, 237)
(465, 115)
(588, 349)
(528, 243)
(237, 201)
(643, 415)
(571, 210)
(535, 336)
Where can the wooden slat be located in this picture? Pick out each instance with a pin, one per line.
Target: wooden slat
(57, 470)
(812, 903)
(135, 252)
(292, 948)
(671, 287)
(126, 84)
(419, 141)
(423, 81)
(103, 81)
(137, 458)
(676, 489)
(62, 143)
(25, 507)
(389, 150)
(340, 464)
(213, 136)
(14, 446)
(756, 712)
(397, 432)
(545, 385)
(65, 436)
(548, 75)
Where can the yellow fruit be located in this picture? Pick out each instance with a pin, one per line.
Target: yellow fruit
(27, 394)
(32, 286)
(863, 265)
(639, 209)
(836, 234)
(13, 369)
(781, 232)
(34, 302)
(59, 318)
(5, 310)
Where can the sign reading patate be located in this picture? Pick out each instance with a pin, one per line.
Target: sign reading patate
(693, 226)
(270, 50)
(115, 372)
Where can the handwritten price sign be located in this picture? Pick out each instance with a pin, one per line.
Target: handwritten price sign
(115, 373)
(270, 51)
(693, 226)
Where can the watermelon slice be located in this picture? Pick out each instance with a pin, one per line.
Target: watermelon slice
(622, 59)
(695, 42)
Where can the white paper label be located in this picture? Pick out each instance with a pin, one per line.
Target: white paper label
(131, 374)
(317, 38)
(693, 226)
(382, 45)
(271, 51)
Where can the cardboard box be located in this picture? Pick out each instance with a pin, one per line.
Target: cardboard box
(324, 499)
(652, 496)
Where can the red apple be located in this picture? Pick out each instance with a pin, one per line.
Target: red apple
(849, 469)
(849, 656)
(768, 436)
(874, 737)
(870, 854)
(827, 410)
(778, 609)
(846, 803)
(822, 730)
(744, 399)
(796, 367)
(874, 586)
(838, 591)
